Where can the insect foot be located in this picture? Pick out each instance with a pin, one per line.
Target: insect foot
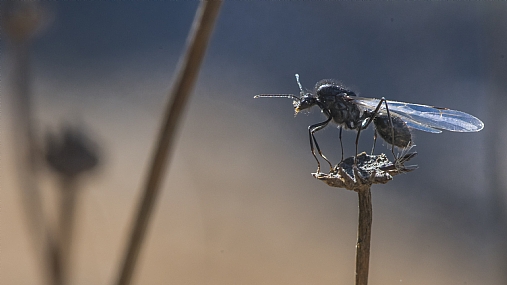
(370, 169)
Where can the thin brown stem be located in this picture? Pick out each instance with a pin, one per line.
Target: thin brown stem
(363, 236)
(189, 66)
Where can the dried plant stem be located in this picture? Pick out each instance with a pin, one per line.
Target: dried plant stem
(189, 66)
(363, 236)
(358, 173)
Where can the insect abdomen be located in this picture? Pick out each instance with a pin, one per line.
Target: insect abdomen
(402, 135)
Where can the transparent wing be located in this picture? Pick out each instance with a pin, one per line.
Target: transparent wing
(426, 118)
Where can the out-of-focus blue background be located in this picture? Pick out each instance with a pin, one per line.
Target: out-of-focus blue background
(239, 205)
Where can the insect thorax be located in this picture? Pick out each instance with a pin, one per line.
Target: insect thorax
(334, 101)
(343, 112)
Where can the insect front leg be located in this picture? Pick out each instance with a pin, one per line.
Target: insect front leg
(311, 130)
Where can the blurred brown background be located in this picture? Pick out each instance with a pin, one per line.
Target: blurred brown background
(239, 205)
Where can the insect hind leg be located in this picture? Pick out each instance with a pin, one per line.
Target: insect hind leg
(392, 129)
(390, 123)
(374, 142)
(371, 116)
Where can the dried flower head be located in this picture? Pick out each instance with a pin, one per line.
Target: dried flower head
(370, 169)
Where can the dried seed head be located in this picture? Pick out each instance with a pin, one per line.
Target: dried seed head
(370, 169)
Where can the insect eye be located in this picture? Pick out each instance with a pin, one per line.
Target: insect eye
(306, 102)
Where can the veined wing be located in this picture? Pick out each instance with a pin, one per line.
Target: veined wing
(426, 118)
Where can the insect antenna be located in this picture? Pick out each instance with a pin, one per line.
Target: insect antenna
(300, 86)
(290, 96)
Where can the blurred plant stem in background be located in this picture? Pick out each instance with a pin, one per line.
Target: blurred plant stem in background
(21, 21)
(69, 156)
(495, 48)
(186, 76)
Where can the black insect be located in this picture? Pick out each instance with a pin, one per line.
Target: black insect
(393, 120)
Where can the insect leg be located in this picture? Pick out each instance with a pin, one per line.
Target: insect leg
(311, 130)
(341, 142)
(374, 142)
(392, 125)
(368, 118)
(357, 144)
(371, 115)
